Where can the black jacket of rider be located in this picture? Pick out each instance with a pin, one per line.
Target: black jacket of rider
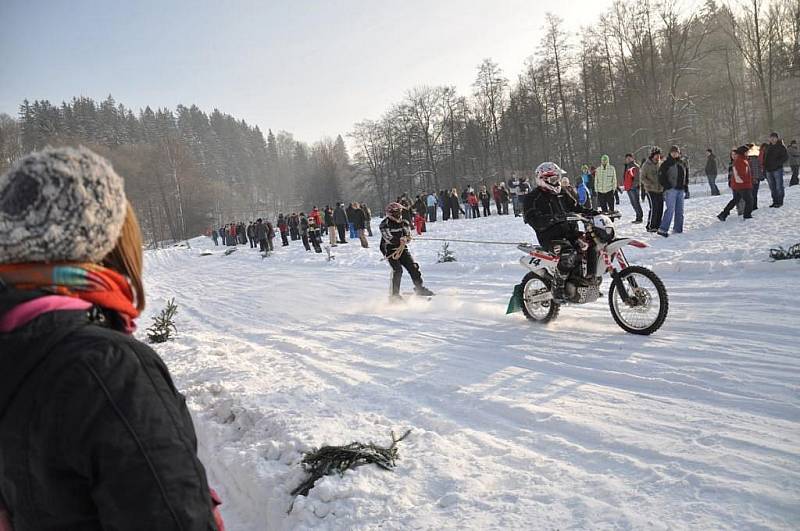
(543, 210)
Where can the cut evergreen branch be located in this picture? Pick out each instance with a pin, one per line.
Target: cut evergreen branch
(337, 459)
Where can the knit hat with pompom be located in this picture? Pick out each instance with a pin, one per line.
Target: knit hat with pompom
(60, 205)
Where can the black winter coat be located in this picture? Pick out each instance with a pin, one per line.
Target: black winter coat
(93, 433)
(358, 219)
(775, 157)
(542, 210)
(339, 216)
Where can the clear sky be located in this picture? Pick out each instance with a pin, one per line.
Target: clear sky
(309, 67)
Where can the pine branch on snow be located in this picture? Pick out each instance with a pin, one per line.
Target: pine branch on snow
(332, 459)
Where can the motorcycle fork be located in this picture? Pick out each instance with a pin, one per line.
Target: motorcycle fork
(623, 263)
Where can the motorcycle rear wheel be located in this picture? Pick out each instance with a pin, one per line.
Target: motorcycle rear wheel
(643, 314)
(539, 312)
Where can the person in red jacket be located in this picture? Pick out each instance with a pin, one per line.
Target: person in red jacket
(419, 223)
(316, 215)
(741, 182)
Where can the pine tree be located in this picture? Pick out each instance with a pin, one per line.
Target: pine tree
(163, 324)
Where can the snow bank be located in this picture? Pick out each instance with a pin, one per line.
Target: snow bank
(574, 425)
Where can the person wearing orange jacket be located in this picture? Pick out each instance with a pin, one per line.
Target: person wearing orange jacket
(741, 182)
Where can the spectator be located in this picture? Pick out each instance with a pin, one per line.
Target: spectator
(513, 191)
(504, 198)
(283, 227)
(304, 230)
(358, 219)
(631, 184)
(524, 189)
(653, 189)
(756, 173)
(294, 226)
(455, 207)
(215, 237)
(350, 225)
(420, 206)
(465, 202)
(794, 161)
(260, 235)
(605, 182)
(419, 223)
(94, 433)
(367, 218)
(430, 203)
(584, 196)
(496, 197)
(774, 159)
(711, 171)
(484, 198)
(251, 234)
(444, 205)
(328, 219)
(270, 236)
(740, 184)
(673, 178)
(340, 219)
(473, 205)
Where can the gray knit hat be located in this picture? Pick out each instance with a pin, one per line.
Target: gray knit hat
(60, 204)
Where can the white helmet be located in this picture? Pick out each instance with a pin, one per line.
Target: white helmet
(603, 227)
(548, 176)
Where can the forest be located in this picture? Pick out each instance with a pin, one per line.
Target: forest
(645, 74)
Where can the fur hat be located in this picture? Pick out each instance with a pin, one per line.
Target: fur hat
(60, 205)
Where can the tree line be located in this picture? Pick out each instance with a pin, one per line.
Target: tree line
(646, 74)
(186, 170)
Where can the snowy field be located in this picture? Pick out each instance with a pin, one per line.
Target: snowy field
(574, 425)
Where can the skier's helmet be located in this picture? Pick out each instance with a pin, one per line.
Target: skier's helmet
(603, 228)
(548, 176)
(394, 210)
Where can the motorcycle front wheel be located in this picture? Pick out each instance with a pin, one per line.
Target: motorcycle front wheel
(647, 305)
(540, 312)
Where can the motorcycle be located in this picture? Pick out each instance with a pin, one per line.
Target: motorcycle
(637, 297)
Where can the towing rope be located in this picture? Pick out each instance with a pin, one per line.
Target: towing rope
(467, 241)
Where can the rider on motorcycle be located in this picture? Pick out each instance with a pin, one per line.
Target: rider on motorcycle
(546, 209)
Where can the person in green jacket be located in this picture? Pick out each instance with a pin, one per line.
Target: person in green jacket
(605, 182)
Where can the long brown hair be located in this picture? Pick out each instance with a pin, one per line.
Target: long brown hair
(126, 257)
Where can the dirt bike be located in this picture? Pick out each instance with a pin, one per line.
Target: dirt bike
(637, 297)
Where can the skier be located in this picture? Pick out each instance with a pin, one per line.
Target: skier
(546, 209)
(395, 235)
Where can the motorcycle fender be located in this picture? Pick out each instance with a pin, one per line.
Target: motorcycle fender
(537, 265)
(616, 245)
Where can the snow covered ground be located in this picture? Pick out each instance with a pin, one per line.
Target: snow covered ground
(574, 425)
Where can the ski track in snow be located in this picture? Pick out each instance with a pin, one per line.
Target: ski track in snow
(573, 425)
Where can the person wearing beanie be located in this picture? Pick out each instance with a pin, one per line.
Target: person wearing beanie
(741, 184)
(605, 182)
(93, 433)
(652, 187)
(775, 157)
